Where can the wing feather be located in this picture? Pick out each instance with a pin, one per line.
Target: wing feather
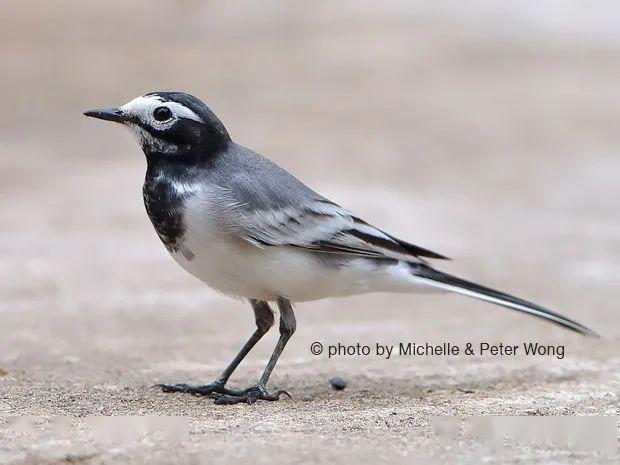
(322, 226)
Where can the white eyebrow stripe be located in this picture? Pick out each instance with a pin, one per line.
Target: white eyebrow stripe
(142, 107)
(183, 111)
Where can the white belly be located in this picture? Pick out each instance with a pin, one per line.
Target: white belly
(244, 270)
(240, 269)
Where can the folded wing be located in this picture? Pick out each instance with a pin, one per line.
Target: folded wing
(325, 227)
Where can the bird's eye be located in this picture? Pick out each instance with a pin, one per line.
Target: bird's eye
(162, 114)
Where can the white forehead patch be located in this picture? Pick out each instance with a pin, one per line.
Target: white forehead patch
(142, 108)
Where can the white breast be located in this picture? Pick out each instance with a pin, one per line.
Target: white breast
(238, 268)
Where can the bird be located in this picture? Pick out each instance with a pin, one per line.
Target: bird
(249, 229)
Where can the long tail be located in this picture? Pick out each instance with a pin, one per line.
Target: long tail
(448, 282)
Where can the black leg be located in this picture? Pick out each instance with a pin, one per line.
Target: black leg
(264, 321)
(259, 392)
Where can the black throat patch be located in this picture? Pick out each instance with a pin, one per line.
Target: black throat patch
(164, 203)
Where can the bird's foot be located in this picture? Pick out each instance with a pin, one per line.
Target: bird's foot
(215, 389)
(249, 396)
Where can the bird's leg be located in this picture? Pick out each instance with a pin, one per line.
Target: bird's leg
(264, 321)
(259, 392)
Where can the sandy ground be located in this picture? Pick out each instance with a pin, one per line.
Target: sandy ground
(486, 134)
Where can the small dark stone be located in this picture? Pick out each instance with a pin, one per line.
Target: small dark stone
(338, 383)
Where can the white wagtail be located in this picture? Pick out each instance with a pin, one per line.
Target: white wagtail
(249, 229)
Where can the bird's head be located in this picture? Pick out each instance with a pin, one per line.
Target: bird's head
(169, 124)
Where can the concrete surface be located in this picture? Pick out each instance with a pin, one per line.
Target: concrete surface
(487, 133)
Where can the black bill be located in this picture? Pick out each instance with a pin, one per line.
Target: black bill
(108, 114)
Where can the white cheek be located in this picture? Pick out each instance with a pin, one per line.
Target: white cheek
(147, 141)
(142, 108)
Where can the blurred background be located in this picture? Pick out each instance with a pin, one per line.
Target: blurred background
(487, 131)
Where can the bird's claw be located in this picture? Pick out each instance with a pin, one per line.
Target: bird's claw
(250, 395)
(225, 396)
(211, 390)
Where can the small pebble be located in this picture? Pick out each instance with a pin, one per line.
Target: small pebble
(338, 383)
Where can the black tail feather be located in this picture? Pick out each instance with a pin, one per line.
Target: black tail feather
(452, 283)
